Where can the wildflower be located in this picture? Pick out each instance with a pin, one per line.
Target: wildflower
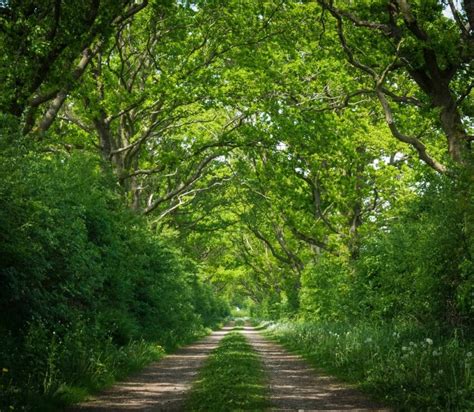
(4, 370)
(429, 341)
(468, 355)
(441, 371)
(404, 348)
(368, 340)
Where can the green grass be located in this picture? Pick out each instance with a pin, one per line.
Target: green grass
(239, 321)
(231, 380)
(101, 370)
(74, 375)
(407, 368)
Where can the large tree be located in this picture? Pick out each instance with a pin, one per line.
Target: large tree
(46, 46)
(415, 58)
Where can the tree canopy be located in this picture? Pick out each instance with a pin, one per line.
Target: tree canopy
(171, 159)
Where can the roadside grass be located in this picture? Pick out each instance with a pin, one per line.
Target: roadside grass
(89, 372)
(232, 379)
(403, 367)
(98, 372)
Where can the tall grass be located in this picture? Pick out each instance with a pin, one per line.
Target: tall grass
(69, 375)
(406, 367)
(65, 370)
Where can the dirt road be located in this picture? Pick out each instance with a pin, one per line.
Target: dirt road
(162, 386)
(293, 385)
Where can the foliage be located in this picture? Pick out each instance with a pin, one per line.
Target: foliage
(420, 266)
(300, 159)
(414, 268)
(231, 380)
(50, 44)
(86, 287)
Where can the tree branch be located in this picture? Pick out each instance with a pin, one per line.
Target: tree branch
(384, 28)
(413, 141)
(260, 236)
(58, 101)
(183, 186)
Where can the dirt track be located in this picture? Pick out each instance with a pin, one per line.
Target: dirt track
(162, 386)
(293, 385)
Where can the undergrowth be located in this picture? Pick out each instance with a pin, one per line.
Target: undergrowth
(87, 288)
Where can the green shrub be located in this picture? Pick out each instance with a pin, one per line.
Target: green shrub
(87, 290)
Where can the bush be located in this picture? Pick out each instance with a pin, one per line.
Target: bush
(417, 268)
(87, 290)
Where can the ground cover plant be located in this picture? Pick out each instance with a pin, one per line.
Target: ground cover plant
(231, 380)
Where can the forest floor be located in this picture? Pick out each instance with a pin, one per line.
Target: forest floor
(293, 385)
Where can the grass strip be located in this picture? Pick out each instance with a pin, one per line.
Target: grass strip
(232, 379)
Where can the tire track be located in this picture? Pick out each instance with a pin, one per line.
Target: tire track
(162, 386)
(295, 386)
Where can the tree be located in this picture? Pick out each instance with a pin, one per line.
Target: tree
(50, 44)
(416, 62)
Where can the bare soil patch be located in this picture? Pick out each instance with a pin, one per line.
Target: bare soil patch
(295, 386)
(162, 386)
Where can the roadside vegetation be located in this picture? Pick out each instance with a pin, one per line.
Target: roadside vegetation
(231, 380)
(88, 292)
(397, 318)
(408, 368)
